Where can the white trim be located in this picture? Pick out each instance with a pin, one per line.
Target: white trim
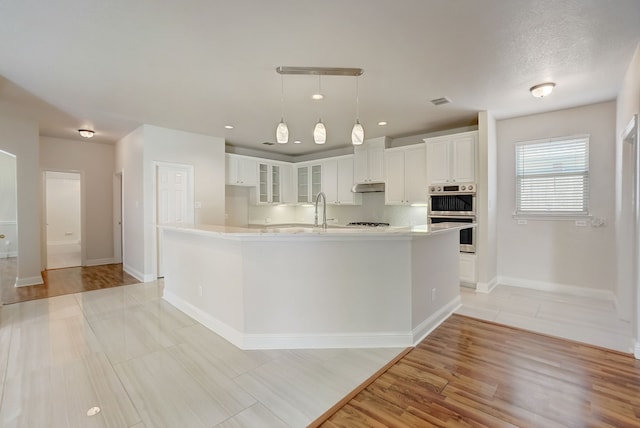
(425, 328)
(98, 262)
(31, 280)
(557, 288)
(137, 274)
(310, 341)
(487, 287)
(636, 350)
(74, 242)
(8, 222)
(10, 254)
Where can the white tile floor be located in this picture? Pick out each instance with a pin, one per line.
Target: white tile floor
(146, 364)
(583, 319)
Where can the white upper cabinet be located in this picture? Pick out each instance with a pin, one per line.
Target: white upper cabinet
(369, 161)
(309, 177)
(337, 181)
(452, 158)
(406, 181)
(275, 183)
(241, 170)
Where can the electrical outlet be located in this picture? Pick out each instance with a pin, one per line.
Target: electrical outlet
(433, 294)
(200, 290)
(581, 223)
(522, 221)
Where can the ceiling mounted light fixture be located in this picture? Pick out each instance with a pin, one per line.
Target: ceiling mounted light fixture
(320, 131)
(318, 95)
(542, 90)
(86, 133)
(357, 133)
(282, 131)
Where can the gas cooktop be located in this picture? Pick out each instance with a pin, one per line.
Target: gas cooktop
(367, 224)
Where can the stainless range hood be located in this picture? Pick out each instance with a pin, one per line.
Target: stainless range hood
(367, 187)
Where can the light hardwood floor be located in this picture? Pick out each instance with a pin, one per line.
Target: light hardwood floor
(475, 373)
(58, 282)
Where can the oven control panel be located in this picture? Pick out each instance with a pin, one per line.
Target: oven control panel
(453, 188)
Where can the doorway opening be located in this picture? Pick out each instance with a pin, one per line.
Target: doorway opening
(63, 219)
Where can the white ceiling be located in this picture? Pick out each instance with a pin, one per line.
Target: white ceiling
(200, 64)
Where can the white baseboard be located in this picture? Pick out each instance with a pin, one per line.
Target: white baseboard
(98, 262)
(427, 326)
(69, 242)
(557, 288)
(487, 287)
(290, 341)
(133, 272)
(31, 280)
(7, 255)
(636, 350)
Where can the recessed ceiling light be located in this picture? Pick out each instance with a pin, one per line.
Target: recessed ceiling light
(86, 133)
(382, 123)
(228, 127)
(542, 90)
(317, 97)
(297, 141)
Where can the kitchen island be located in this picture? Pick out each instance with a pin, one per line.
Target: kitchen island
(301, 287)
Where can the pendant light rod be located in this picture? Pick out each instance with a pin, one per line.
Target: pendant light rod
(321, 71)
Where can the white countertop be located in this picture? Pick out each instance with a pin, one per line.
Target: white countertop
(309, 231)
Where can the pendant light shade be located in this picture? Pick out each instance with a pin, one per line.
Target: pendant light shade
(282, 132)
(357, 134)
(320, 133)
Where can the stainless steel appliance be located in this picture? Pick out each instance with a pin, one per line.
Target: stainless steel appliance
(458, 199)
(467, 236)
(455, 204)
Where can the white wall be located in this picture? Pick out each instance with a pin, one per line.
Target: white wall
(19, 136)
(487, 231)
(628, 241)
(136, 155)
(63, 207)
(8, 207)
(129, 161)
(206, 155)
(96, 162)
(551, 254)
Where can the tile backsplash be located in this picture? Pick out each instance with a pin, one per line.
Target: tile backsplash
(372, 209)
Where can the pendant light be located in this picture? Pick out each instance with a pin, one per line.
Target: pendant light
(282, 131)
(357, 133)
(320, 133)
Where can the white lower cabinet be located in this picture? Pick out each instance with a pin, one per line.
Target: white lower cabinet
(468, 270)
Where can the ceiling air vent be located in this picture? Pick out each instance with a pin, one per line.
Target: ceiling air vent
(268, 143)
(440, 101)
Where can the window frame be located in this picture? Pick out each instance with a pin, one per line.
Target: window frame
(555, 215)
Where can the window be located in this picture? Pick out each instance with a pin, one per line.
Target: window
(552, 177)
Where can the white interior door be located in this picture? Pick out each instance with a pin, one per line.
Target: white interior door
(117, 218)
(174, 200)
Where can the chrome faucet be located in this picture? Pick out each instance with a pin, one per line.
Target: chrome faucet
(324, 210)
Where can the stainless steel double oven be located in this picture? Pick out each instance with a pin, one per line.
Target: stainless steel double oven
(455, 203)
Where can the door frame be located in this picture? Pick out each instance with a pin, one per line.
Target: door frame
(189, 169)
(118, 211)
(83, 226)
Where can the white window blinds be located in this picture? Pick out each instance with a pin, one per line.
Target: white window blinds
(552, 177)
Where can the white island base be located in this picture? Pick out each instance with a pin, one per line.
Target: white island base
(274, 289)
